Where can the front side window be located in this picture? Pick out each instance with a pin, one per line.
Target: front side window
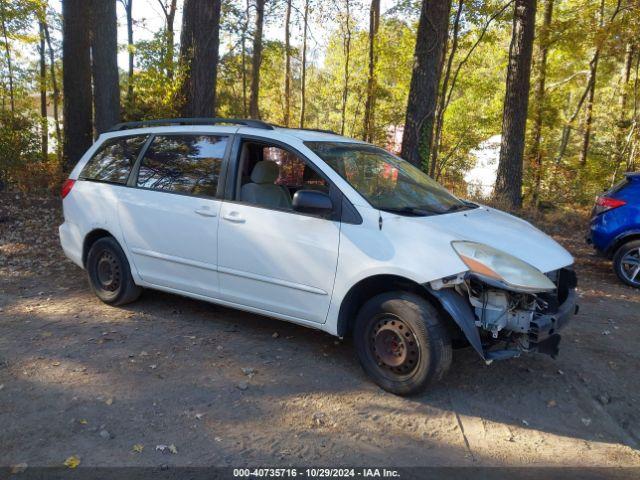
(188, 164)
(113, 160)
(270, 176)
(386, 181)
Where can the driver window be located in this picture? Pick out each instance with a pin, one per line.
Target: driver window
(269, 176)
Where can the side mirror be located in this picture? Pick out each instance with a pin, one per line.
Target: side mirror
(312, 201)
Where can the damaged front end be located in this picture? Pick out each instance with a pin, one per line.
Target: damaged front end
(502, 316)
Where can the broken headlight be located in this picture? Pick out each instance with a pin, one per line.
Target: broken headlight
(500, 269)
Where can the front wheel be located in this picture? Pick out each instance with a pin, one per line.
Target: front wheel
(109, 273)
(626, 263)
(402, 342)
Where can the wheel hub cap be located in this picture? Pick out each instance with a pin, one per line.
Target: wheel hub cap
(394, 345)
(108, 271)
(631, 265)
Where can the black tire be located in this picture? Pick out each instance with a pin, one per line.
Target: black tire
(401, 342)
(624, 263)
(109, 273)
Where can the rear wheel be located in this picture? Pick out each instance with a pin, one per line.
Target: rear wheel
(109, 273)
(401, 342)
(626, 263)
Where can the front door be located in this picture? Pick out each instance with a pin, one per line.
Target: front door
(170, 219)
(270, 257)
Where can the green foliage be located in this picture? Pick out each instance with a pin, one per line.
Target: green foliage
(19, 148)
(473, 114)
(154, 91)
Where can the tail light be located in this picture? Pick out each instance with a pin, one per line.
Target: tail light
(66, 187)
(604, 204)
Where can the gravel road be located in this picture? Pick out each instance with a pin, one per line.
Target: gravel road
(173, 381)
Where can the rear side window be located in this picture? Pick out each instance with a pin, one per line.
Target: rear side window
(113, 160)
(188, 164)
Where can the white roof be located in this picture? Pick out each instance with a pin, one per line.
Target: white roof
(301, 134)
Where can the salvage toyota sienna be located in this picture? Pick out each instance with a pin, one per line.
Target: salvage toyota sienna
(317, 229)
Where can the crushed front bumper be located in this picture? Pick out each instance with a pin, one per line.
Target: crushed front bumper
(543, 335)
(540, 336)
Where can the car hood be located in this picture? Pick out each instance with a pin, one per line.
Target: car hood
(502, 231)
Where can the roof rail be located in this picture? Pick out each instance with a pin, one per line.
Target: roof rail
(321, 130)
(192, 121)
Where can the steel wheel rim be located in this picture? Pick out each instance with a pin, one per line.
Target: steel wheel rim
(630, 266)
(394, 345)
(108, 271)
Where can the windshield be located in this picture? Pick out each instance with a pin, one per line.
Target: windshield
(386, 181)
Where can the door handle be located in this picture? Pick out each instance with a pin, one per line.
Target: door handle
(234, 217)
(205, 212)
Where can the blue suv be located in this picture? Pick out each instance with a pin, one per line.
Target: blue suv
(615, 228)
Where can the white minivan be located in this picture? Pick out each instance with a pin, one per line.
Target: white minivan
(320, 230)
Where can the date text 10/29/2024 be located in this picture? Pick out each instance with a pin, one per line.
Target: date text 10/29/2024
(315, 473)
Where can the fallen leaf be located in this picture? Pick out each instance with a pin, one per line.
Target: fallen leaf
(18, 468)
(109, 401)
(72, 462)
(83, 421)
(552, 403)
(137, 448)
(171, 448)
(56, 364)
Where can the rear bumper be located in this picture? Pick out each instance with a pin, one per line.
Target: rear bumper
(71, 242)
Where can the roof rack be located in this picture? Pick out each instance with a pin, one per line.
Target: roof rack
(321, 130)
(192, 121)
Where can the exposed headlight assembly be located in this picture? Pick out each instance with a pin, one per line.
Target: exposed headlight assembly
(500, 269)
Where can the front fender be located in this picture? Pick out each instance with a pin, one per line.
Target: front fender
(460, 310)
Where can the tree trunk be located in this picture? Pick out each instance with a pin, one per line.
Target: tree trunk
(303, 87)
(76, 81)
(433, 30)
(128, 7)
(169, 11)
(170, 15)
(7, 51)
(256, 61)
(539, 96)
(347, 54)
(199, 44)
(245, 29)
(588, 114)
(287, 65)
(369, 106)
(104, 50)
(442, 95)
(623, 123)
(44, 124)
(56, 90)
(514, 117)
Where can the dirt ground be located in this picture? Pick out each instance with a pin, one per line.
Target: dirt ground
(216, 386)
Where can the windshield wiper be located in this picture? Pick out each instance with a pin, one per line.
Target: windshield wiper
(417, 211)
(461, 206)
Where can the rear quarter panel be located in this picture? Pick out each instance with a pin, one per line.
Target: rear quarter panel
(610, 228)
